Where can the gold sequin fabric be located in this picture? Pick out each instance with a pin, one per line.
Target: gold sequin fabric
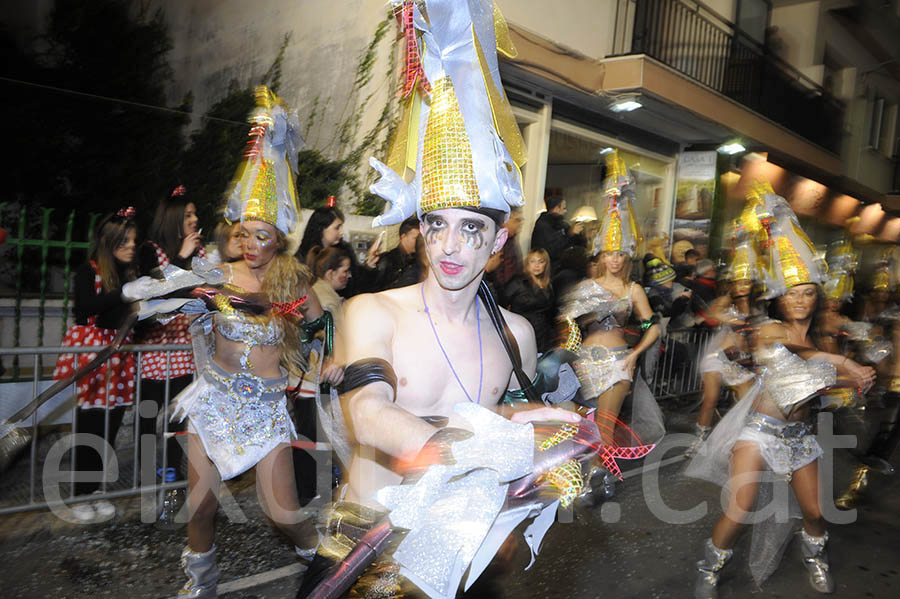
(347, 524)
(262, 205)
(794, 268)
(567, 480)
(448, 177)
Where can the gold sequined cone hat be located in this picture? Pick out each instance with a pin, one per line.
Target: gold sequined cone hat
(744, 263)
(842, 264)
(457, 143)
(263, 187)
(882, 277)
(792, 258)
(618, 229)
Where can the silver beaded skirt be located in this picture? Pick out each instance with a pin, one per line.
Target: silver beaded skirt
(239, 417)
(599, 368)
(785, 446)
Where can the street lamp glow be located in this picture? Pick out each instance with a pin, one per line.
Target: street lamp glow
(732, 148)
(625, 106)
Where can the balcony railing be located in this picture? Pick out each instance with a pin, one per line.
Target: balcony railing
(695, 41)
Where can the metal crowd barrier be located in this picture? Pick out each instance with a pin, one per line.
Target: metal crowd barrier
(16, 393)
(676, 374)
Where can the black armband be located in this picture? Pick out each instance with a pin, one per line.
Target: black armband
(646, 324)
(364, 372)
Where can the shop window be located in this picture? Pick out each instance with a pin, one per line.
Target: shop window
(576, 169)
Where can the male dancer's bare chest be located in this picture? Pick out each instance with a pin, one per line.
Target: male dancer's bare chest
(436, 371)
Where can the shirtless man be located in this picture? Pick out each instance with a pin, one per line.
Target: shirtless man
(436, 338)
(438, 368)
(435, 368)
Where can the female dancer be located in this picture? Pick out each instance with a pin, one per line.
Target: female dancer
(174, 238)
(601, 307)
(99, 312)
(531, 295)
(727, 353)
(236, 409)
(770, 428)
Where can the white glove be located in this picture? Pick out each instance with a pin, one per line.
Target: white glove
(141, 288)
(400, 194)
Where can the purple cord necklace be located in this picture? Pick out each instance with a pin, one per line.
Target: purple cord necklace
(446, 357)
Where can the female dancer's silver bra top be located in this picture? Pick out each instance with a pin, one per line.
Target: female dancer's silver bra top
(238, 327)
(589, 296)
(789, 379)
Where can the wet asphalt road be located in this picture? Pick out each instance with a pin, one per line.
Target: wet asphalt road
(618, 550)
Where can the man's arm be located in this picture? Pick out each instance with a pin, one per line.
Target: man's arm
(376, 420)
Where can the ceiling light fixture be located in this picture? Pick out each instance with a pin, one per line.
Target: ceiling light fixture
(625, 105)
(732, 148)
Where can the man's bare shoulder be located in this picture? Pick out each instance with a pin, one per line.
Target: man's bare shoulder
(384, 303)
(518, 324)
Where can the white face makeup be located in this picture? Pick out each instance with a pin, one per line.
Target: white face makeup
(458, 244)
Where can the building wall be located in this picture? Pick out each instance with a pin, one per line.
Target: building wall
(799, 36)
(587, 26)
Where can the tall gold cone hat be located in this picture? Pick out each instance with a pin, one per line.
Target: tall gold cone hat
(618, 229)
(457, 143)
(842, 264)
(792, 258)
(744, 262)
(263, 188)
(882, 279)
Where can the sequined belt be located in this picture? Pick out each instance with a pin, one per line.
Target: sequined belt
(245, 384)
(778, 428)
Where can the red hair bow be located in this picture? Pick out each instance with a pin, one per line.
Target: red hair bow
(126, 213)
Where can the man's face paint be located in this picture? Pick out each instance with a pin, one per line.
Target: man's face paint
(458, 244)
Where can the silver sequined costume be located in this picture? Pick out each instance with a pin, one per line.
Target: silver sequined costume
(239, 417)
(786, 446)
(598, 367)
(715, 360)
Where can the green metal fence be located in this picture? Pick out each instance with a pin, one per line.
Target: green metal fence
(35, 252)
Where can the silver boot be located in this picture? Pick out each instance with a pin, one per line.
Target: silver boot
(702, 433)
(816, 560)
(202, 574)
(714, 559)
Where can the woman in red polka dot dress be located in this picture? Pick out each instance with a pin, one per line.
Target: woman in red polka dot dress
(99, 312)
(174, 238)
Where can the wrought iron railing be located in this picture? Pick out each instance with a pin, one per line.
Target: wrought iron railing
(58, 244)
(697, 42)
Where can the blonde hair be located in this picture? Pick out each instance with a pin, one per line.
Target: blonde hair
(626, 269)
(285, 281)
(544, 280)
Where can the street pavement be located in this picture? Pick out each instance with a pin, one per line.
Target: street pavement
(621, 549)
